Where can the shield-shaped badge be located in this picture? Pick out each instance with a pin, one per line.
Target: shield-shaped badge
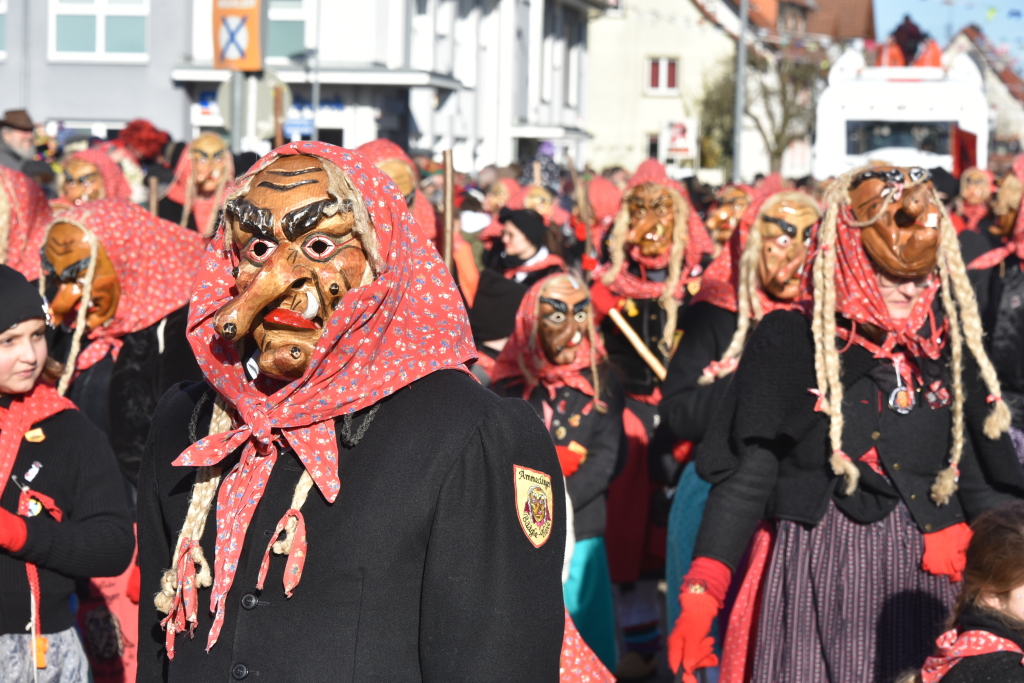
(534, 504)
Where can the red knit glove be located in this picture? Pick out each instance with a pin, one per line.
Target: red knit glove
(570, 459)
(602, 300)
(132, 588)
(701, 598)
(945, 551)
(13, 532)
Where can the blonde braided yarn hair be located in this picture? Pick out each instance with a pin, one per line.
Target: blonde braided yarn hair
(677, 253)
(960, 307)
(748, 302)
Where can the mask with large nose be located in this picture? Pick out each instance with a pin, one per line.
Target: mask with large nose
(784, 226)
(652, 219)
(732, 203)
(563, 308)
(299, 253)
(903, 239)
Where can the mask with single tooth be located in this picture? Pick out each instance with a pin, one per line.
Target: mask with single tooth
(66, 256)
(298, 253)
(563, 308)
(902, 239)
(785, 228)
(652, 219)
(82, 182)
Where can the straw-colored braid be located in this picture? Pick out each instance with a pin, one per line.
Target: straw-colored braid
(83, 311)
(999, 418)
(5, 222)
(305, 483)
(186, 209)
(600, 405)
(200, 502)
(748, 307)
(945, 484)
(676, 262)
(617, 241)
(211, 220)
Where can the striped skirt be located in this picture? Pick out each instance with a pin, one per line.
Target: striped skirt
(847, 602)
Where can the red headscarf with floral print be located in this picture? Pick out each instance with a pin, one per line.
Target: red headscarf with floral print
(409, 322)
(114, 183)
(28, 217)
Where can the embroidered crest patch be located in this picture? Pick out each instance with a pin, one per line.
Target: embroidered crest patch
(534, 504)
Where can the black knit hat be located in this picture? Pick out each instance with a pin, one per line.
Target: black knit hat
(529, 222)
(21, 301)
(493, 315)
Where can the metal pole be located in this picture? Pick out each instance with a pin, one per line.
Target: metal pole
(741, 72)
(316, 73)
(237, 110)
(25, 55)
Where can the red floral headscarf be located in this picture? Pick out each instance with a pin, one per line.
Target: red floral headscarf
(409, 322)
(1015, 245)
(113, 177)
(202, 207)
(27, 219)
(523, 356)
(155, 262)
(698, 243)
(859, 300)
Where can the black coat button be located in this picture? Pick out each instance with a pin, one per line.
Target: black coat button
(249, 601)
(239, 671)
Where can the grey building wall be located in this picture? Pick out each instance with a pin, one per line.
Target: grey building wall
(98, 92)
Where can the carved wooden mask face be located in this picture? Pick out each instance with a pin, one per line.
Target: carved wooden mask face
(904, 239)
(298, 255)
(496, 197)
(732, 203)
(974, 186)
(65, 261)
(82, 182)
(785, 234)
(209, 162)
(652, 219)
(564, 308)
(1006, 204)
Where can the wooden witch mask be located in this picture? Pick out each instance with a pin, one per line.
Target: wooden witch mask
(299, 253)
(65, 262)
(784, 226)
(732, 203)
(82, 182)
(652, 218)
(209, 162)
(902, 238)
(563, 310)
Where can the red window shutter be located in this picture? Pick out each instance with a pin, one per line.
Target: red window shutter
(671, 80)
(654, 74)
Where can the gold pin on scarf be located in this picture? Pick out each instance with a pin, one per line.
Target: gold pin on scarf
(35, 435)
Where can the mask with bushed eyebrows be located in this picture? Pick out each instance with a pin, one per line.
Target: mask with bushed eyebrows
(298, 254)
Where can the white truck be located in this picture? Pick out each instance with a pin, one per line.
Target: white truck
(908, 116)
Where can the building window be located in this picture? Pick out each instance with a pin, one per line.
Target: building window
(661, 75)
(3, 29)
(98, 30)
(286, 32)
(652, 146)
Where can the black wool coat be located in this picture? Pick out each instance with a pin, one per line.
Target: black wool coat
(995, 667)
(600, 433)
(419, 571)
(121, 396)
(767, 449)
(94, 537)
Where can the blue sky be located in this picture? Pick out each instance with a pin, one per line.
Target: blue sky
(935, 17)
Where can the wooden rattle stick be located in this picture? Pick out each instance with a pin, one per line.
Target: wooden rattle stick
(638, 344)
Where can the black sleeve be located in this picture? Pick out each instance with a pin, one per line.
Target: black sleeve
(973, 245)
(686, 406)
(96, 537)
(177, 360)
(594, 475)
(492, 605)
(999, 476)
(736, 505)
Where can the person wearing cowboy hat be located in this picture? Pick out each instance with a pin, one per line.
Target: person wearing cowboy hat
(16, 143)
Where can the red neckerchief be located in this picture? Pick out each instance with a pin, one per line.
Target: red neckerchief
(202, 206)
(28, 219)
(972, 214)
(549, 261)
(114, 183)
(523, 351)
(409, 322)
(25, 410)
(155, 261)
(859, 301)
(953, 647)
(1015, 245)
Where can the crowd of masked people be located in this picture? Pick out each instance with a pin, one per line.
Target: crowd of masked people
(784, 419)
